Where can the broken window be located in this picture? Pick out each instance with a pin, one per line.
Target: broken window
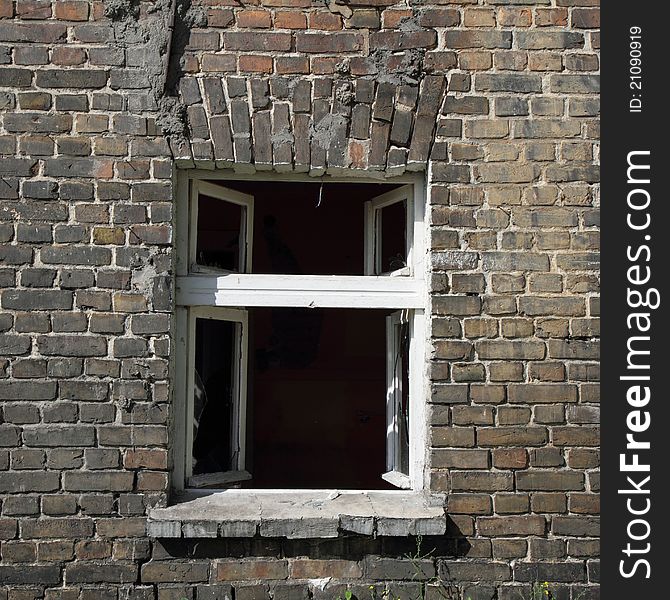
(217, 366)
(302, 352)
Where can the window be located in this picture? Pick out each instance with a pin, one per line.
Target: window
(300, 344)
(388, 238)
(222, 229)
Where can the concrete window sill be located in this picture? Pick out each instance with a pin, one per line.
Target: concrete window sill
(299, 514)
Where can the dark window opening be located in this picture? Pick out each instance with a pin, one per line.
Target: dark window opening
(299, 228)
(299, 398)
(317, 398)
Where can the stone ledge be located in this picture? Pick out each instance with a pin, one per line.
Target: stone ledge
(298, 514)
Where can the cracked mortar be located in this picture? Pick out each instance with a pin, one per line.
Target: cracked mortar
(121, 10)
(411, 69)
(160, 40)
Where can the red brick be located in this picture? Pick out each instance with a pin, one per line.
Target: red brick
(358, 154)
(324, 65)
(288, 3)
(547, 17)
(6, 9)
(392, 17)
(287, 19)
(145, 458)
(244, 570)
(71, 10)
(325, 21)
(255, 64)
(510, 458)
(68, 56)
(292, 64)
(217, 17)
(254, 19)
(515, 17)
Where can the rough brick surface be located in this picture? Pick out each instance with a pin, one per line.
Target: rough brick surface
(495, 101)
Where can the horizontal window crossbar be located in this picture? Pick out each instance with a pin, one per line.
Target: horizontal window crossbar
(307, 291)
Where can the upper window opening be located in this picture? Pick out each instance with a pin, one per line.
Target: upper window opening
(300, 229)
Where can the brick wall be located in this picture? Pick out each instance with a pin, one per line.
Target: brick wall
(496, 100)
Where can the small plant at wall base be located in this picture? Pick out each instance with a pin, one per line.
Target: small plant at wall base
(449, 591)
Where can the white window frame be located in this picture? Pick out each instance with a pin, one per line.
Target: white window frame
(225, 291)
(394, 473)
(373, 230)
(239, 394)
(246, 223)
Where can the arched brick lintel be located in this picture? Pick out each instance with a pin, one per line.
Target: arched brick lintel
(315, 126)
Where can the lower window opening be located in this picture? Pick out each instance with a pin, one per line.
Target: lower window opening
(320, 399)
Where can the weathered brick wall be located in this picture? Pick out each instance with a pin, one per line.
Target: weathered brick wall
(101, 101)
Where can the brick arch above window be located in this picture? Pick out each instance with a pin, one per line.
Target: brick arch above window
(318, 125)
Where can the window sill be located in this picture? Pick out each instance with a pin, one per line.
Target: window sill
(298, 514)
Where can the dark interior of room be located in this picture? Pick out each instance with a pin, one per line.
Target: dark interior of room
(299, 228)
(318, 398)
